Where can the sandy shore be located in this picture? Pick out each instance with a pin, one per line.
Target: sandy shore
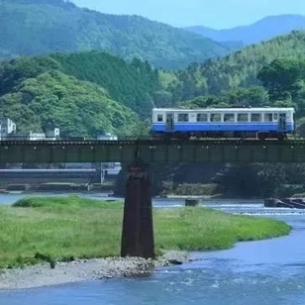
(84, 270)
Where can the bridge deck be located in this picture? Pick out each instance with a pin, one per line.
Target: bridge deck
(152, 151)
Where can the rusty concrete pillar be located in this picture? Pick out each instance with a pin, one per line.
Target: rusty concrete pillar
(137, 233)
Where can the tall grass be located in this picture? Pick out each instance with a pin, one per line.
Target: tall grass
(37, 229)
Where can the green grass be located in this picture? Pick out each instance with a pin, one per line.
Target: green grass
(37, 229)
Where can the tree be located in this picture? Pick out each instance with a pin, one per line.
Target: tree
(282, 77)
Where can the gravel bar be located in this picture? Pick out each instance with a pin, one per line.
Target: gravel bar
(85, 270)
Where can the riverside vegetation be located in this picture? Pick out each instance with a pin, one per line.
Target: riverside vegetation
(65, 229)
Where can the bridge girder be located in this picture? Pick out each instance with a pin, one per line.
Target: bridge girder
(214, 151)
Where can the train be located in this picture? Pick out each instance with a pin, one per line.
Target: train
(259, 123)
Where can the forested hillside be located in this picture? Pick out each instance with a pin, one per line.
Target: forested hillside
(36, 27)
(282, 85)
(41, 92)
(236, 70)
(133, 84)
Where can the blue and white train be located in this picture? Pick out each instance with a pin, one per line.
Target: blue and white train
(261, 123)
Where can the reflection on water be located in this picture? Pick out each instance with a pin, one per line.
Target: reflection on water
(261, 272)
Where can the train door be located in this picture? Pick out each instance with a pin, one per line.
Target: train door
(170, 122)
(282, 121)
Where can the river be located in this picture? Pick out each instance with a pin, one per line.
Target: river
(260, 272)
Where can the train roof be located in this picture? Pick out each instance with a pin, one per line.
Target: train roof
(244, 109)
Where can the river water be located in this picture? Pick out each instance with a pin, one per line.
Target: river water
(261, 272)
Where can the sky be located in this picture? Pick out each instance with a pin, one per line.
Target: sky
(217, 14)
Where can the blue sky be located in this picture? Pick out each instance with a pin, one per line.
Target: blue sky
(217, 14)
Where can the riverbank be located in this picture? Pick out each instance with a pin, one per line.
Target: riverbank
(67, 187)
(73, 238)
(85, 270)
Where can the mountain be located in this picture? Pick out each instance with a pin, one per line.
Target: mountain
(239, 69)
(132, 84)
(263, 30)
(81, 93)
(37, 27)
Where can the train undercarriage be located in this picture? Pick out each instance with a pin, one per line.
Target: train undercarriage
(280, 136)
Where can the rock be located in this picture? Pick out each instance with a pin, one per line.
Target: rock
(175, 262)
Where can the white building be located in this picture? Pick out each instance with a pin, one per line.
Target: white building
(37, 136)
(53, 134)
(49, 135)
(7, 127)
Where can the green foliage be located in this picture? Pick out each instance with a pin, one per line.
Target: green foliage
(260, 180)
(82, 93)
(42, 27)
(300, 127)
(54, 99)
(72, 201)
(133, 84)
(282, 77)
(197, 229)
(55, 229)
(254, 96)
(283, 85)
(14, 71)
(238, 69)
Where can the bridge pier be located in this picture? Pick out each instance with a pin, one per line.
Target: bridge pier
(137, 233)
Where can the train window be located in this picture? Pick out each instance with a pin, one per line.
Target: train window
(242, 117)
(228, 117)
(160, 118)
(255, 117)
(202, 117)
(183, 117)
(215, 117)
(268, 117)
(275, 116)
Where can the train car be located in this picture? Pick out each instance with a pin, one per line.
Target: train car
(261, 123)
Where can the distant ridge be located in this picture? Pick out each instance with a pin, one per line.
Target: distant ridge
(262, 30)
(38, 27)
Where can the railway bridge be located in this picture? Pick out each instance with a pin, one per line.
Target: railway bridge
(137, 233)
(150, 151)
